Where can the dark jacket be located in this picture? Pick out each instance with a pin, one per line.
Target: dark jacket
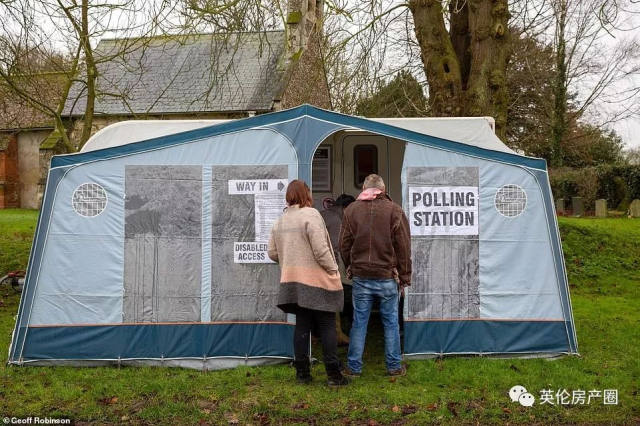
(333, 220)
(375, 239)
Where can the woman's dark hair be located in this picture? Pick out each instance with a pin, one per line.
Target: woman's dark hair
(299, 193)
(344, 200)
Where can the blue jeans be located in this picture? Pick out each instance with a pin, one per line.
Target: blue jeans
(364, 292)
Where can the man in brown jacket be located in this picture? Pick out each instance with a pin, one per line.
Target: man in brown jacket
(375, 245)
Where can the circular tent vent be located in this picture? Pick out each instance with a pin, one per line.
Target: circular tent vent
(510, 200)
(89, 199)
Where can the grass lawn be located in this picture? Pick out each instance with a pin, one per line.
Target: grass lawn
(603, 261)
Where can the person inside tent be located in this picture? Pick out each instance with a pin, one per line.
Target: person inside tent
(332, 215)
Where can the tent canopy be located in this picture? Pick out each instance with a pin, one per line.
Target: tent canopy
(474, 131)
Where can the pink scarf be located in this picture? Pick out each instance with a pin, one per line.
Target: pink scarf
(369, 194)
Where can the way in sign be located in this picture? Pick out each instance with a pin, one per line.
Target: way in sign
(256, 186)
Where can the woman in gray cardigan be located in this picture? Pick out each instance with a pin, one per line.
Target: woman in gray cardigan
(310, 285)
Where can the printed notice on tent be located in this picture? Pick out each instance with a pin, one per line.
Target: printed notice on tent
(251, 252)
(443, 210)
(269, 203)
(268, 208)
(256, 186)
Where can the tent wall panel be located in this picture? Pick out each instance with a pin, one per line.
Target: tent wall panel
(157, 341)
(485, 337)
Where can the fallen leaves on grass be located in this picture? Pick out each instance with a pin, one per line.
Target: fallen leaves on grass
(300, 406)
(432, 407)
(261, 418)
(475, 405)
(232, 418)
(110, 400)
(452, 407)
(506, 410)
(207, 406)
(409, 409)
(395, 409)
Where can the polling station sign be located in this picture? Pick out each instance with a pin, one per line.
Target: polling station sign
(443, 210)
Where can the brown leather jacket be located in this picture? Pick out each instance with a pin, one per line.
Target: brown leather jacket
(375, 239)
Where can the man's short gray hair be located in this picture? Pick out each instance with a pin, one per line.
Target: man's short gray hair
(373, 181)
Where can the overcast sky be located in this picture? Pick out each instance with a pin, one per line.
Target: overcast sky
(629, 128)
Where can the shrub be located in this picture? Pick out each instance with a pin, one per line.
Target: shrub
(618, 184)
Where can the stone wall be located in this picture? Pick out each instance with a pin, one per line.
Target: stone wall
(29, 167)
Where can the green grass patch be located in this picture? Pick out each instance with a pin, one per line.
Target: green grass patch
(602, 260)
(16, 233)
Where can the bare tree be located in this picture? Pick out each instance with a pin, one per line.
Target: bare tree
(31, 69)
(591, 71)
(44, 27)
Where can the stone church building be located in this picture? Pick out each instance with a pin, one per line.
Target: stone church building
(202, 76)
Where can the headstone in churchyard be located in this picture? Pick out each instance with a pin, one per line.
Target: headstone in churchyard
(634, 209)
(578, 206)
(559, 205)
(601, 208)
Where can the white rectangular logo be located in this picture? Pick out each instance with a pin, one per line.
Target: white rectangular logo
(443, 210)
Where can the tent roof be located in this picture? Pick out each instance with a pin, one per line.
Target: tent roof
(306, 126)
(474, 131)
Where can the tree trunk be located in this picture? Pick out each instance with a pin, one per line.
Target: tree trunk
(92, 74)
(60, 127)
(441, 65)
(559, 116)
(466, 66)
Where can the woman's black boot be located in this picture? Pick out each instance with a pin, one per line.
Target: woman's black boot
(303, 370)
(335, 377)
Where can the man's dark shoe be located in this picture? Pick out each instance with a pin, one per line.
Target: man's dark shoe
(303, 371)
(347, 372)
(402, 371)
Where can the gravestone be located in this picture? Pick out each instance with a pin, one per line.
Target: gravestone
(560, 206)
(601, 208)
(634, 209)
(578, 206)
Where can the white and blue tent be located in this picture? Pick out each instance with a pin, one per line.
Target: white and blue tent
(152, 252)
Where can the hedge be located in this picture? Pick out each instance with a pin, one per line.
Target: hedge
(618, 184)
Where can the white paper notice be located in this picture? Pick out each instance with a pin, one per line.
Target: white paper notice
(269, 207)
(443, 210)
(250, 252)
(256, 186)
